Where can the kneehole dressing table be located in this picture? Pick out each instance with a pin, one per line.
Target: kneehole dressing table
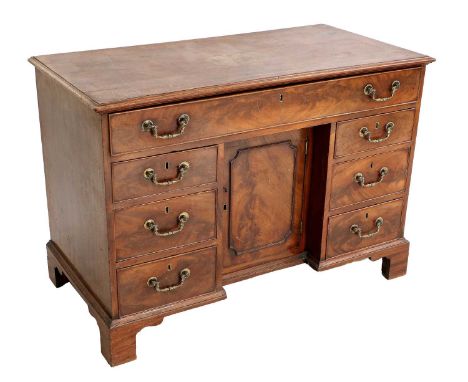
(174, 169)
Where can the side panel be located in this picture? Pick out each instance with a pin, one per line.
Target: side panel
(74, 170)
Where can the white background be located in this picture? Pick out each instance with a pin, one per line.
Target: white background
(296, 324)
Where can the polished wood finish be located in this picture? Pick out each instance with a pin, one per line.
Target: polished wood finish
(262, 268)
(266, 181)
(342, 240)
(217, 117)
(128, 180)
(346, 191)
(273, 145)
(267, 131)
(133, 239)
(118, 342)
(135, 295)
(131, 77)
(262, 196)
(75, 190)
(374, 253)
(395, 266)
(349, 141)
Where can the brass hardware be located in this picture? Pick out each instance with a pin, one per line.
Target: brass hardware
(370, 91)
(365, 133)
(359, 178)
(153, 282)
(152, 127)
(182, 169)
(358, 230)
(151, 225)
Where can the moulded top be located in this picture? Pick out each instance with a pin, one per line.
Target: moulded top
(137, 76)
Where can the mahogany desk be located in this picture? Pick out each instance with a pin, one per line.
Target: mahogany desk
(174, 169)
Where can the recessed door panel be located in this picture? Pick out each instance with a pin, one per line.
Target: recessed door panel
(265, 198)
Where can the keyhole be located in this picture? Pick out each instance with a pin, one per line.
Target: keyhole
(169, 267)
(225, 207)
(372, 165)
(167, 210)
(281, 98)
(167, 165)
(367, 215)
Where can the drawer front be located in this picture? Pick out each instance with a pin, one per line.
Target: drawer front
(360, 229)
(163, 173)
(137, 229)
(146, 286)
(222, 116)
(373, 132)
(369, 178)
(210, 118)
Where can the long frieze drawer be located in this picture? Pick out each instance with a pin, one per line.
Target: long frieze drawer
(162, 282)
(369, 133)
(142, 129)
(369, 178)
(364, 228)
(163, 173)
(166, 224)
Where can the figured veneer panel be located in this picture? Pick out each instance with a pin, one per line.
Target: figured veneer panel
(262, 203)
(346, 191)
(135, 294)
(217, 117)
(349, 140)
(133, 239)
(266, 184)
(128, 180)
(342, 240)
(208, 118)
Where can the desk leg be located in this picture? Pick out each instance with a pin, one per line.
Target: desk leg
(118, 342)
(56, 274)
(395, 265)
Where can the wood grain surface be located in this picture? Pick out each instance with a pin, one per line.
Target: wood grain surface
(349, 140)
(135, 295)
(132, 239)
(221, 116)
(265, 198)
(273, 145)
(342, 240)
(345, 190)
(149, 74)
(129, 182)
(72, 150)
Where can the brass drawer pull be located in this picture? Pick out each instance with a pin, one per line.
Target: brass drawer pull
(151, 225)
(182, 169)
(370, 91)
(152, 127)
(358, 230)
(359, 178)
(365, 133)
(153, 282)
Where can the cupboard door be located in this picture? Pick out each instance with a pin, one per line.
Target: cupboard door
(265, 178)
